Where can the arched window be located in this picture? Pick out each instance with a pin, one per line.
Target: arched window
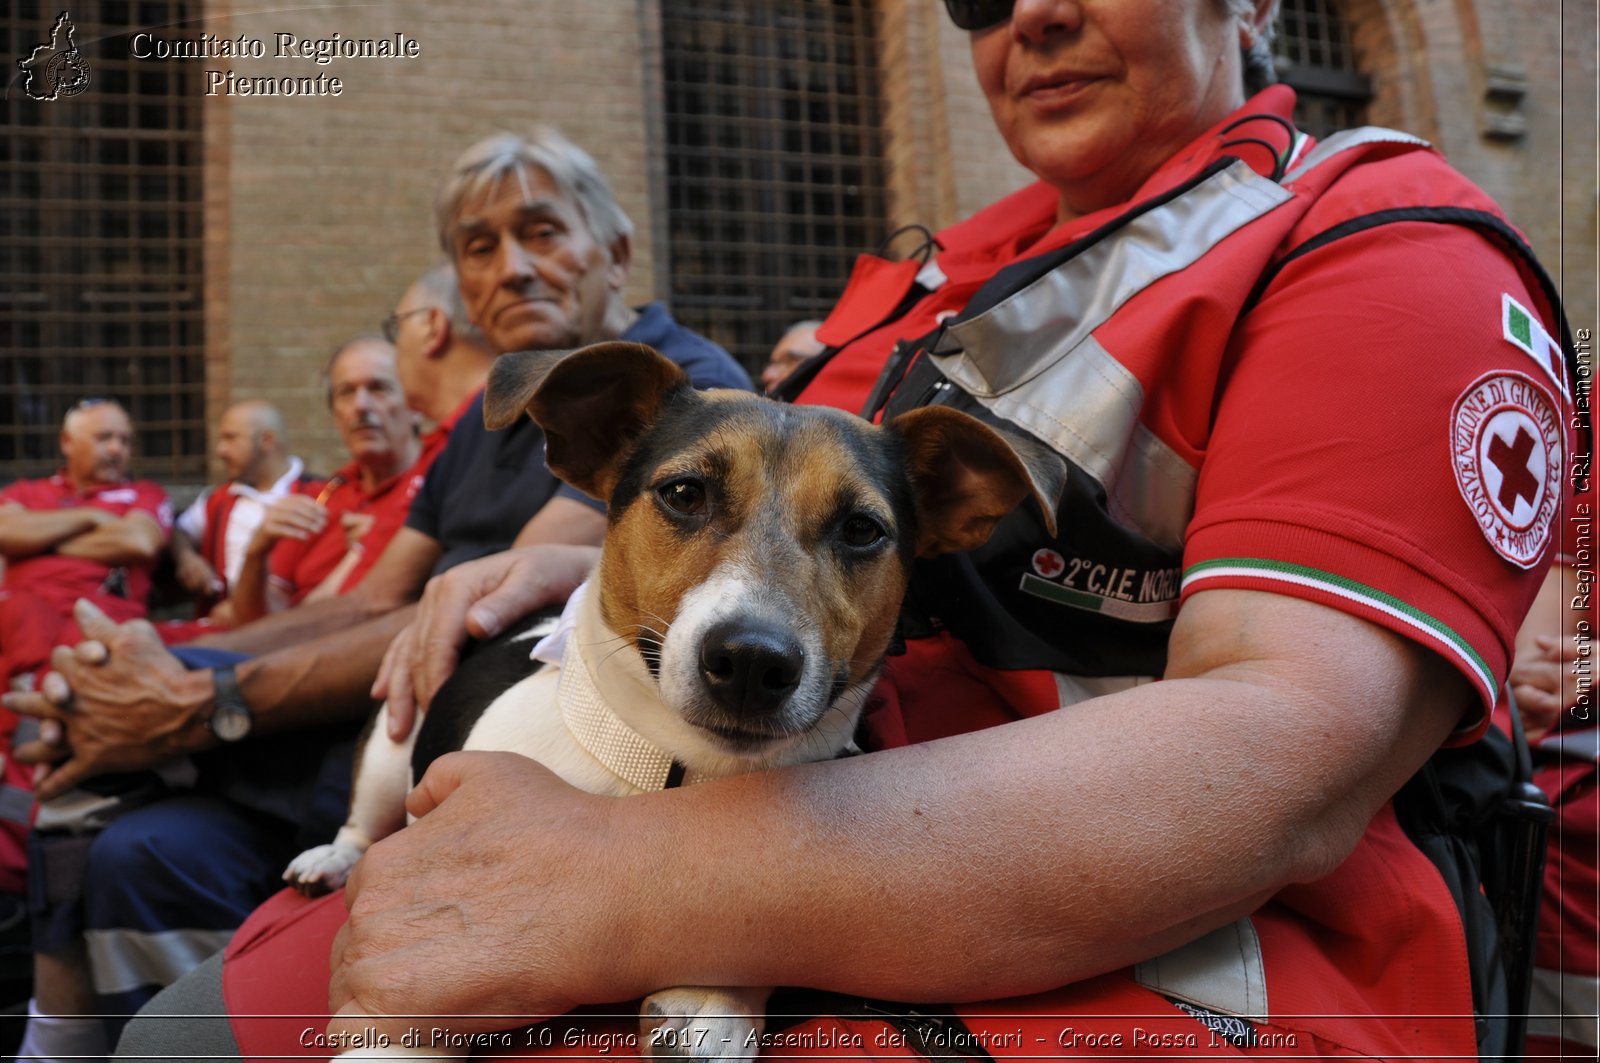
(1315, 58)
(774, 150)
(100, 240)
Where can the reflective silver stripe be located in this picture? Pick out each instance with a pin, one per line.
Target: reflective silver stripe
(1089, 602)
(1582, 745)
(1072, 689)
(16, 804)
(1087, 405)
(1347, 139)
(124, 960)
(1565, 1006)
(1222, 971)
(1013, 341)
(1087, 408)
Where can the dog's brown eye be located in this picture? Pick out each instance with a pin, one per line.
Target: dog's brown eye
(684, 496)
(862, 532)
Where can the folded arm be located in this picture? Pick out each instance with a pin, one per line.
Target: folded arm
(132, 539)
(1096, 830)
(26, 532)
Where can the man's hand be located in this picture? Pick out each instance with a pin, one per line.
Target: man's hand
(196, 576)
(477, 599)
(121, 701)
(290, 517)
(1544, 684)
(356, 525)
(460, 914)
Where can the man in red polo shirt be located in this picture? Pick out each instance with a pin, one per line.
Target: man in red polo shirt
(322, 542)
(86, 532)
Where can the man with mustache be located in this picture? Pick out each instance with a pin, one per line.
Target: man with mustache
(541, 251)
(321, 540)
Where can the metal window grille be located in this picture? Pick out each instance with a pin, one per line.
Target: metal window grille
(774, 154)
(100, 241)
(1314, 56)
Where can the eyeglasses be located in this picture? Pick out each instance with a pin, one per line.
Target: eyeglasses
(391, 324)
(978, 14)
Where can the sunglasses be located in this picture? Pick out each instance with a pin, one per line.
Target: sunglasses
(978, 14)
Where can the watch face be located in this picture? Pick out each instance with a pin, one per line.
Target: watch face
(230, 725)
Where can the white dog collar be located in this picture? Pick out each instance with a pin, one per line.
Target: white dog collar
(605, 736)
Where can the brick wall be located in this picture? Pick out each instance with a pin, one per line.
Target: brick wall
(1506, 89)
(319, 208)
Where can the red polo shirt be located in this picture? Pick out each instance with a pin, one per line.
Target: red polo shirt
(62, 580)
(299, 566)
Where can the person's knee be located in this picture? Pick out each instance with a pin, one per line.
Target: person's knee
(186, 1020)
(133, 851)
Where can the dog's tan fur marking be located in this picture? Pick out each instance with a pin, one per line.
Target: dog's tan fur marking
(772, 504)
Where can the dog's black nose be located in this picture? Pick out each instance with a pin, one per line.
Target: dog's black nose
(750, 670)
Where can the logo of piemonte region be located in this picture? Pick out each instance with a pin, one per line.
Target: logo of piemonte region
(55, 69)
(1506, 447)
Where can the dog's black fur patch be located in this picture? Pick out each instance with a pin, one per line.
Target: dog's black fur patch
(487, 670)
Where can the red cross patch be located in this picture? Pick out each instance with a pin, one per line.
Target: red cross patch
(1048, 563)
(1505, 443)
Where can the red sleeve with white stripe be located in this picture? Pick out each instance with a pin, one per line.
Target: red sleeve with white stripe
(1386, 443)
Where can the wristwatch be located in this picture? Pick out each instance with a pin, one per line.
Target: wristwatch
(231, 720)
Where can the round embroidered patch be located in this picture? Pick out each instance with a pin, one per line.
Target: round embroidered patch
(1505, 443)
(1048, 563)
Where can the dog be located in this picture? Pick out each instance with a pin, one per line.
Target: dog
(755, 559)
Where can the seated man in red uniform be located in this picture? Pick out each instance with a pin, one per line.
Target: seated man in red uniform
(317, 544)
(213, 533)
(86, 532)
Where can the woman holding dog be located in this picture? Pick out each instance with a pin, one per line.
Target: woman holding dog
(1315, 434)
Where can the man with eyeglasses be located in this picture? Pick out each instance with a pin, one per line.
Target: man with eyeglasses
(319, 545)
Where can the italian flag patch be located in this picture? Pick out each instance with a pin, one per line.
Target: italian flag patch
(1523, 330)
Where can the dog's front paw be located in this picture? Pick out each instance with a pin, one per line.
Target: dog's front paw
(704, 1024)
(322, 869)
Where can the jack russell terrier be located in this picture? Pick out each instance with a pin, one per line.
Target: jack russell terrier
(755, 559)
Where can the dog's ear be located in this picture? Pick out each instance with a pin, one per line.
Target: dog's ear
(967, 476)
(512, 381)
(592, 404)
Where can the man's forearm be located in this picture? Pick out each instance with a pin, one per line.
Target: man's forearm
(120, 542)
(24, 533)
(292, 627)
(321, 681)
